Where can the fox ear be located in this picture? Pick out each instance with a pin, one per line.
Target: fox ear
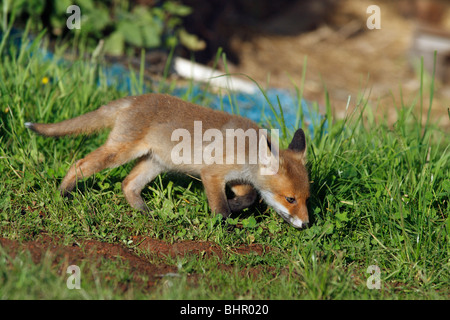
(298, 143)
(268, 155)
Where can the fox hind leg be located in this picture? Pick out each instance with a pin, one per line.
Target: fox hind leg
(104, 157)
(143, 172)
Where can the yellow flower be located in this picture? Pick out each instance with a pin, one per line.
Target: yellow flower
(45, 80)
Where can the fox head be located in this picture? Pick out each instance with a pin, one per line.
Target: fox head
(286, 186)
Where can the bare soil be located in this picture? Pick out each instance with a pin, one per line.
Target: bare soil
(96, 252)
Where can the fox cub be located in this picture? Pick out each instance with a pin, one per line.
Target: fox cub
(146, 128)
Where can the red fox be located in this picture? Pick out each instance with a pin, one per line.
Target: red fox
(142, 128)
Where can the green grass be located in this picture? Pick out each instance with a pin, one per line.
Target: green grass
(380, 197)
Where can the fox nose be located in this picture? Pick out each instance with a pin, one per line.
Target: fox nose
(305, 223)
(298, 223)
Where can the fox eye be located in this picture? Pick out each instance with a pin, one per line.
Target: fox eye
(290, 200)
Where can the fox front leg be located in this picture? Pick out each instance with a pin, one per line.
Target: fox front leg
(215, 192)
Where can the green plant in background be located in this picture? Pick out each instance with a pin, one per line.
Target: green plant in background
(120, 24)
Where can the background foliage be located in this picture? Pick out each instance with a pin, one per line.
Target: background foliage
(122, 24)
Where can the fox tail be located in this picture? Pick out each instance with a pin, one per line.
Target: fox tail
(87, 123)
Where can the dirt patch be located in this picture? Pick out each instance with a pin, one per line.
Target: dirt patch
(207, 248)
(91, 252)
(94, 252)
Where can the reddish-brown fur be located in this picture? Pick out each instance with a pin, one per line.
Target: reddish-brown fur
(141, 128)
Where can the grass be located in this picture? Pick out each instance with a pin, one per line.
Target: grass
(380, 196)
